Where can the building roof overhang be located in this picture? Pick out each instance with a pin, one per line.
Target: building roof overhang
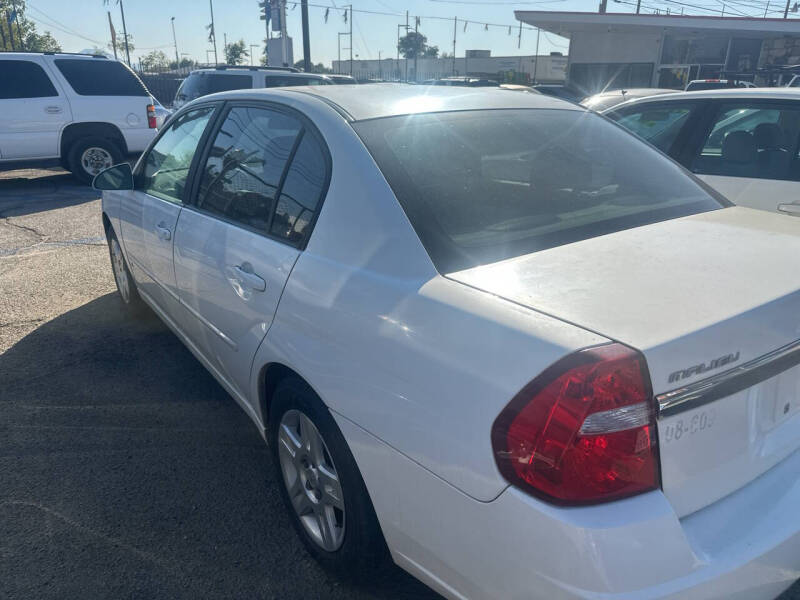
(566, 24)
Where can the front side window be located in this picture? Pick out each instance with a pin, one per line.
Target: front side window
(24, 79)
(658, 124)
(167, 164)
(241, 177)
(100, 77)
(484, 186)
(751, 140)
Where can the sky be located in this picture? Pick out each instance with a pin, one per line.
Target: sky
(83, 24)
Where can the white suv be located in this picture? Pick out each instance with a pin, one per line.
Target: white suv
(79, 111)
(224, 78)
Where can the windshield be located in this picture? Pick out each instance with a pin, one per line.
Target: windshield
(484, 186)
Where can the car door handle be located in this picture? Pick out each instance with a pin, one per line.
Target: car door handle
(53, 110)
(163, 233)
(790, 208)
(244, 273)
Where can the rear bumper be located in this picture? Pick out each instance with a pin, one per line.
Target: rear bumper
(746, 545)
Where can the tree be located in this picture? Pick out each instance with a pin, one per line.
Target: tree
(155, 60)
(236, 52)
(120, 44)
(185, 62)
(415, 44)
(17, 32)
(315, 68)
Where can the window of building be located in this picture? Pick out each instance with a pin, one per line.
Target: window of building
(24, 79)
(591, 78)
(100, 77)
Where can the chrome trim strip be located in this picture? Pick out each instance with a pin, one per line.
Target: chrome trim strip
(730, 382)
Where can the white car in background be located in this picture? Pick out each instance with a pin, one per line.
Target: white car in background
(82, 112)
(490, 335)
(742, 142)
(606, 100)
(223, 78)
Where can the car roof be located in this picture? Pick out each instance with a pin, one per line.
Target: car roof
(376, 100)
(264, 70)
(780, 93)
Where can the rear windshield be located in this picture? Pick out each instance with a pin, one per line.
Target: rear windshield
(99, 77)
(484, 186)
(201, 84)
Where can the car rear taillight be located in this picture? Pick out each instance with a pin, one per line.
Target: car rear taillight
(583, 431)
(151, 116)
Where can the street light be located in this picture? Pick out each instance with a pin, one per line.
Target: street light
(339, 52)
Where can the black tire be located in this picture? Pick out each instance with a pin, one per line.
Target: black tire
(363, 550)
(130, 297)
(76, 154)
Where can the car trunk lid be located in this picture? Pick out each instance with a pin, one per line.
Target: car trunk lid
(699, 296)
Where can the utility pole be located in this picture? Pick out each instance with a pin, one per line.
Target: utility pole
(225, 45)
(213, 31)
(111, 28)
(125, 33)
(786, 11)
(638, 6)
(306, 38)
(284, 40)
(175, 41)
(766, 9)
(416, 50)
(339, 51)
(380, 68)
(406, 60)
(536, 58)
(603, 5)
(351, 40)
(455, 29)
(519, 37)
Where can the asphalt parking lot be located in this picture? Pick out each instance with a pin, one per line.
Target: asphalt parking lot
(125, 470)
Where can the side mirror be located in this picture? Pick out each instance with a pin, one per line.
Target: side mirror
(118, 177)
(790, 209)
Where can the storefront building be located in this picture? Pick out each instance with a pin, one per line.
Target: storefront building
(615, 50)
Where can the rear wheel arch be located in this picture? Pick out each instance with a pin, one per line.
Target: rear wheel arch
(270, 376)
(78, 131)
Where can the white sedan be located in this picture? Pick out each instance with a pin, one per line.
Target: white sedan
(490, 336)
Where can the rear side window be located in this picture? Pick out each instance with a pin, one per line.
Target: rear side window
(283, 81)
(244, 168)
(301, 191)
(97, 77)
(202, 84)
(658, 124)
(484, 186)
(24, 79)
(752, 140)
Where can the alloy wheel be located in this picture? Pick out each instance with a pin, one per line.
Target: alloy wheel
(311, 480)
(95, 159)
